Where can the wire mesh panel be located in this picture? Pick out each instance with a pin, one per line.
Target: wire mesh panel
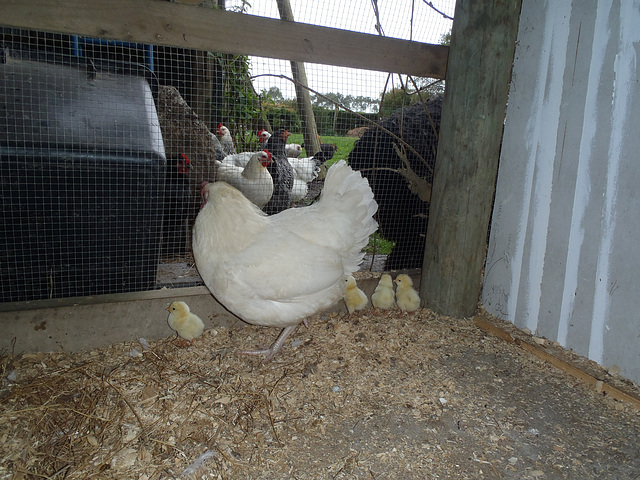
(104, 145)
(81, 153)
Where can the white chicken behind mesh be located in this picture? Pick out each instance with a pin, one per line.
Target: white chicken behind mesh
(293, 150)
(226, 140)
(305, 170)
(238, 159)
(263, 136)
(253, 180)
(277, 270)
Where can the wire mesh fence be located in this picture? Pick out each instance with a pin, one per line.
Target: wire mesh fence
(104, 145)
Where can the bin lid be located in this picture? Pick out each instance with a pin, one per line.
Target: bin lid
(62, 106)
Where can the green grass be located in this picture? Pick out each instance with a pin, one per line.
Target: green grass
(344, 144)
(379, 245)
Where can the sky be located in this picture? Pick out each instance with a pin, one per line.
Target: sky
(356, 15)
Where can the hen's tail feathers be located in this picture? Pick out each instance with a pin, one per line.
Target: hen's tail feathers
(347, 192)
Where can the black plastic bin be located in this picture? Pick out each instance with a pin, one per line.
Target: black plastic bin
(81, 181)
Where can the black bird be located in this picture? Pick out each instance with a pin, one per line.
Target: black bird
(327, 150)
(281, 171)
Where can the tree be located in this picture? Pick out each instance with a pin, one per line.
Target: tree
(273, 95)
(395, 99)
(359, 103)
(414, 89)
(363, 104)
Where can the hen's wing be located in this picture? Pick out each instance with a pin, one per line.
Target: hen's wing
(305, 169)
(238, 159)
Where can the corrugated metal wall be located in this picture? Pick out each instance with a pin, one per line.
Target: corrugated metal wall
(564, 255)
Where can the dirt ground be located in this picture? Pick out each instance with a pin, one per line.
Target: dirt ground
(370, 396)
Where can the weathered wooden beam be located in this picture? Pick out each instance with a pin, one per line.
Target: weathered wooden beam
(478, 73)
(597, 384)
(166, 23)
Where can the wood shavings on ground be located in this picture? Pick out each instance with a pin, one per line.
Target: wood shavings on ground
(375, 396)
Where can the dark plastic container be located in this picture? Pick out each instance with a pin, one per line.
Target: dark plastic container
(81, 181)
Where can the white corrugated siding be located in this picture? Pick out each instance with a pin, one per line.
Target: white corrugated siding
(563, 258)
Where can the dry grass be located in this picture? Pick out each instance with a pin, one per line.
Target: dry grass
(368, 396)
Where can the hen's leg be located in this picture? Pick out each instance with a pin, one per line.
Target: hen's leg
(270, 352)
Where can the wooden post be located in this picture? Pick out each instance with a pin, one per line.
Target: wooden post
(203, 86)
(483, 41)
(305, 108)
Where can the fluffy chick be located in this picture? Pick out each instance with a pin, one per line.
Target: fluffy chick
(384, 296)
(407, 297)
(353, 296)
(185, 323)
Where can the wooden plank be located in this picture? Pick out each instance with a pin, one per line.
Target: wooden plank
(597, 384)
(479, 70)
(165, 23)
(100, 299)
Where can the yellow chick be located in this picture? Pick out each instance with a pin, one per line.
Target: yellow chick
(384, 296)
(406, 296)
(185, 323)
(353, 296)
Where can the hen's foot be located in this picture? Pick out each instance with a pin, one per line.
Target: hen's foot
(182, 343)
(271, 352)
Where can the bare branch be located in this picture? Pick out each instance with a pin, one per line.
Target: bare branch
(374, 124)
(441, 13)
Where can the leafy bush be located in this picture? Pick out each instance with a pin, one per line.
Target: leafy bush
(240, 104)
(282, 116)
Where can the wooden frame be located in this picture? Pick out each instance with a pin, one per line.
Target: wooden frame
(182, 25)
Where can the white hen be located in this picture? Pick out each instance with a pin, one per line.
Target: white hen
(305, 170)
(238, 159)
(226, 140)
(263, 136)
(293, 150)
(277, 270)
(253, 180)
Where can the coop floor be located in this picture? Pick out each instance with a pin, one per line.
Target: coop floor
(371, 396)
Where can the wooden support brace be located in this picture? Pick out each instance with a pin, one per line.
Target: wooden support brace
(597, 384)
